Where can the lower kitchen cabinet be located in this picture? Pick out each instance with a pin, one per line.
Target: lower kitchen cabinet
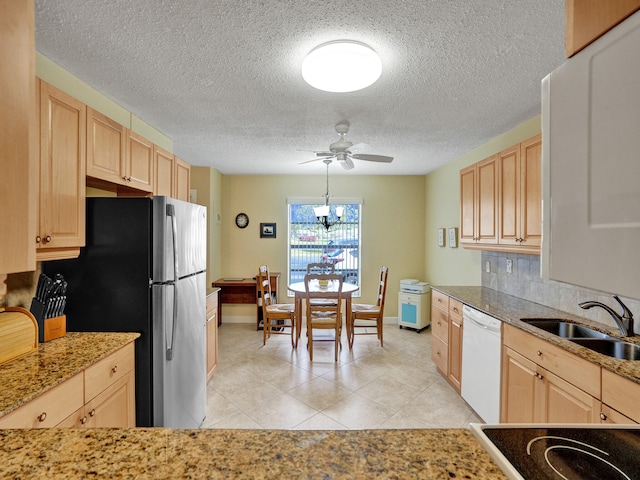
(103, 395)
(446, 337)
(455, 344)
(621, 396)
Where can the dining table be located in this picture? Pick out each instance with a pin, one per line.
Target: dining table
(300, 292)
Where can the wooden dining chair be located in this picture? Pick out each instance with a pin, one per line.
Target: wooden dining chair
(325, 315)
(277, 318)
(366, 317)
(321, 268)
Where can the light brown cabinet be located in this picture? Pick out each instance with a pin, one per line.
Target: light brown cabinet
(61, 226)
(164, 172)
(620, 399)
(212, 333)
(446, 338)
(544, 383)
(18, 138)
(478, 203)
(586, 20)
(182, 180)
(501, 200)
(520, 196)
(140, 165)
(103, 395)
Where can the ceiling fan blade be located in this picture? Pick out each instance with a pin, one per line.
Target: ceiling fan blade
(347, 164)
(324, 154)
(372, 158)
(358, 147)
(314, 160)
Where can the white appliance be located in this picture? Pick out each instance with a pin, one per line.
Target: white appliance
(481, 345)
(414, 304)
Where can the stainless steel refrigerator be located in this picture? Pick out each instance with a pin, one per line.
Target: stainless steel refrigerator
(144, 270)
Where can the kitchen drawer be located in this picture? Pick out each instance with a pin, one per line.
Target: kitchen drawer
(440, 324)
(621, 394)
(50, 408)
(440, 300)
(455, 308)
(100, 375)
(212, 303)
(575, 370)
(439, 354)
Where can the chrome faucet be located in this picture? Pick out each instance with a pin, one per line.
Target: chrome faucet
(624, 321)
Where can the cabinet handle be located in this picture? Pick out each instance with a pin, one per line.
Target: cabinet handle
(540, 377)
(539, 353)
(47, 239)
(92, 412)
(38, 239)
(114, 369)
(42, 417)
(603, 416)
(84, 420)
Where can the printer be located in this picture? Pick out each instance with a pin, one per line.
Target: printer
(411, 285)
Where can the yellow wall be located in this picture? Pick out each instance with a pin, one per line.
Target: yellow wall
(458, 266)
(392, 223)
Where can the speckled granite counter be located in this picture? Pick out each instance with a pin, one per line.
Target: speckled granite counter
(31, 375)
(511, 309)
(255, 454)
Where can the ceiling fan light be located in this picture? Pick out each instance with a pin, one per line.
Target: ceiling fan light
(341, 66)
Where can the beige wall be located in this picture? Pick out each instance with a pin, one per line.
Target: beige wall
(392, 224)
(458, 266)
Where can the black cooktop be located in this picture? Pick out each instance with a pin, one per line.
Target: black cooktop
(571, 453)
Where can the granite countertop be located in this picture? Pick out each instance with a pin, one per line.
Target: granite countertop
(255, 454)
(26, 377)
(511, 309)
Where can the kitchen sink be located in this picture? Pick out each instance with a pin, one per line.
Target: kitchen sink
(611, 347)
(587, 337)
(564, 329)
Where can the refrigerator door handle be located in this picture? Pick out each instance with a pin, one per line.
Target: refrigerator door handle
(174, 233)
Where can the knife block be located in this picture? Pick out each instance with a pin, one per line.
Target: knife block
(48, 328)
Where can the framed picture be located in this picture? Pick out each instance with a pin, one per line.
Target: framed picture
(441, 237)
(267, 230)
(453, 237)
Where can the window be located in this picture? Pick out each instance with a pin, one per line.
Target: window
(310, 242)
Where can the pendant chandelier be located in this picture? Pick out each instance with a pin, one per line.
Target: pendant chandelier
(324, 214)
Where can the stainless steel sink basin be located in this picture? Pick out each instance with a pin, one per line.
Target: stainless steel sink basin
(611, 347)
(564, 329)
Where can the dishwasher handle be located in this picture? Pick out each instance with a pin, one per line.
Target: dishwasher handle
(482, 320)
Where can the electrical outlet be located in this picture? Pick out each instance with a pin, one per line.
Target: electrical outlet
(509, 265)
(487, 267)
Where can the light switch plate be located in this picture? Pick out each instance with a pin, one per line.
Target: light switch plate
(509, 265)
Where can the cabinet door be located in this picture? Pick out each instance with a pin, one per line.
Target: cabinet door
(183, 180)
(609, 415)
(561, 402)
(531, 192)
(467, 204)
(487, 217)
(115, 406)
(622, 394)
(62, 173)
(139, 171)
(212, 333)
(455, 352)
(509, 197)
(18, 140)
(106, 148)
(164, 172)
(518, 392)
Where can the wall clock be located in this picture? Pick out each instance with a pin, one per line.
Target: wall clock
(242, 220)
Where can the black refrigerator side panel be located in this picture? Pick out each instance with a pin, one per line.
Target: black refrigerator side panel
(108, 284)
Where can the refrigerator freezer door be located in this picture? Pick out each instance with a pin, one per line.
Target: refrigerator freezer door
(187, 223)
(179, 386)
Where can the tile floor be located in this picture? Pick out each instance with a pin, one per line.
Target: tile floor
(276, 387)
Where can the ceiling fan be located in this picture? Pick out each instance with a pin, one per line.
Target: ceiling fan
(345, 151)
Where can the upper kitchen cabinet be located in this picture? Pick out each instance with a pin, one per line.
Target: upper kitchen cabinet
(117, 155)
(183, 180)
(63, 123)
(590, 126)
(478, 203)
(164, 172)
(587, 20)
(18, 138)
(520, 196)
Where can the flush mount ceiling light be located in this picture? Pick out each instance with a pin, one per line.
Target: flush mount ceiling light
(341, 66)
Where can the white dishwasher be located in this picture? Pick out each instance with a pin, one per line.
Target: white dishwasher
(481, 345)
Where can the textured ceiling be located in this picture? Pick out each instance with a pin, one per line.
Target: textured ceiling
(222, 78)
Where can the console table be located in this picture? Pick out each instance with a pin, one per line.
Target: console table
(244, 291)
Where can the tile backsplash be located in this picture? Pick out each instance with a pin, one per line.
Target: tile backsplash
(525, 281)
